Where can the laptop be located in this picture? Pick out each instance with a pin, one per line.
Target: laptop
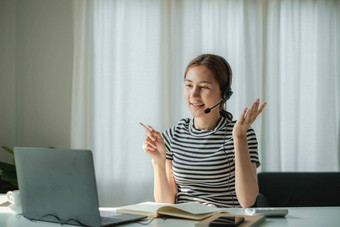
(59, 185)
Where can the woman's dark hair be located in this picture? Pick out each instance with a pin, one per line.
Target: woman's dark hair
(221, 70)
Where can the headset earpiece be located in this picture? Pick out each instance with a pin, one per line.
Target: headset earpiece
(227, 92)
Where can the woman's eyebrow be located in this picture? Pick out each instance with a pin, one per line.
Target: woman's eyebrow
(201, 82)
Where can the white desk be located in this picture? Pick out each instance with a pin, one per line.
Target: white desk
(297, 216)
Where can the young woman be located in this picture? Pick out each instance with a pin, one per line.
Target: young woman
(210, 158)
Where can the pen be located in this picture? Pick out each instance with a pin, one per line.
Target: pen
(145, 127)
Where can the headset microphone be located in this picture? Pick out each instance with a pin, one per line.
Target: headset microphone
(207, 110)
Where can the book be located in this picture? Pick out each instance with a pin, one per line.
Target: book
(249, 221)
(191, 210)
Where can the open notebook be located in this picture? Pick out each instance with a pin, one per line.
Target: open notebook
(192, 210)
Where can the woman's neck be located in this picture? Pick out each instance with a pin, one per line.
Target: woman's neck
(207, 122)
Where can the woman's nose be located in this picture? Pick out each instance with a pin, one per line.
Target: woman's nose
(196, 92)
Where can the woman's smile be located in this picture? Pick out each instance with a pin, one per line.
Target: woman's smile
(197, 106)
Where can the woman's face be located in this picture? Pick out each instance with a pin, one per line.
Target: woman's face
(201, 91)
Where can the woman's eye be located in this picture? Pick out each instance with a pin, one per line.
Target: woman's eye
(204, 87)
(188, 85)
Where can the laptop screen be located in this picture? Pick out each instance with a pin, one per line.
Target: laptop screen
(57, 185)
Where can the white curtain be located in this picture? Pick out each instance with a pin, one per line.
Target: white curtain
(129, 61)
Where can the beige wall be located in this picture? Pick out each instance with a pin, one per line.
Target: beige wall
(7, 75)
(36, 54)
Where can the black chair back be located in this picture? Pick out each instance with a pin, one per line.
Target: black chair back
(298, 189)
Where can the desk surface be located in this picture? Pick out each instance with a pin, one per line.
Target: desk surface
(297, 216)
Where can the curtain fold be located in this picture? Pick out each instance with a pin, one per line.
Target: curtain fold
(301, 83)
(129, 60)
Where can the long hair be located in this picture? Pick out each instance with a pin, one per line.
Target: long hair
(220, 69)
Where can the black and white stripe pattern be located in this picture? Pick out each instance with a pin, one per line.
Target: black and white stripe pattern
(204, 169)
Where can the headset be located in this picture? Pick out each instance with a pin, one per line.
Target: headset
(226, 90)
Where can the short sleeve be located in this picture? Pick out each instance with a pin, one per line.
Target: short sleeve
(252, 147)
(167, 136)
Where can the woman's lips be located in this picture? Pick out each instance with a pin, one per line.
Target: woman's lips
(197, 105)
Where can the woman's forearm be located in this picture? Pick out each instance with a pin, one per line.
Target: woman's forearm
(163, 190)
(245, 174)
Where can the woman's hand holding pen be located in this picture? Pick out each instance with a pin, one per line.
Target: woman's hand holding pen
(247, 118)
(154, 145)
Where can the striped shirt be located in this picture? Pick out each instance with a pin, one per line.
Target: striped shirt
(203, 162)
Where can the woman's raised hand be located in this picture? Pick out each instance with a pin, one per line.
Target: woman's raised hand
(154, 145)
(247, 118)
